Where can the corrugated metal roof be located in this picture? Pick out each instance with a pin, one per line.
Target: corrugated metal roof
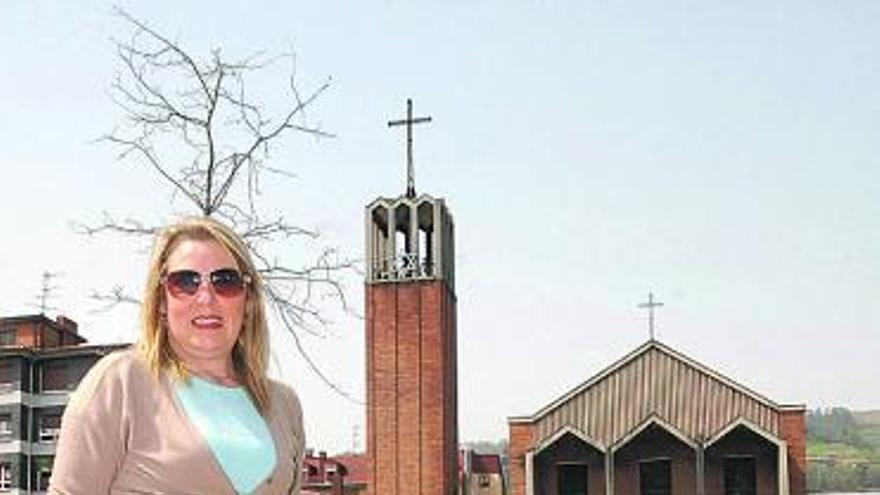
(654, 381)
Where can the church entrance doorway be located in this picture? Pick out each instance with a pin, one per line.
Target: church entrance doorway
(571, 479)
(655, 477)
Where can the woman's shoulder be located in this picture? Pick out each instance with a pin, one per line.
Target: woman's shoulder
(116, 373)
(285, 414)
(284, 404)
(284, 393)
(122, 364)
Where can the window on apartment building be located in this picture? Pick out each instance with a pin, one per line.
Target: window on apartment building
(43, 475)
(58, 375)
(50, 425)
(42, 468)
(51, 337)
(5, 476)
(739, 476)
(7, 336)
(483, 480)
(8, 374)
(5, 427)
(655, 477)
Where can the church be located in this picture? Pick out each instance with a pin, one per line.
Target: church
(656, 422)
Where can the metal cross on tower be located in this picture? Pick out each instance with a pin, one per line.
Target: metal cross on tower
(408, 122)
(651, 304)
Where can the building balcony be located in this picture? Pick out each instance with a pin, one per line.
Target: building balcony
(50, 398)
(44, 399)
(21, 447)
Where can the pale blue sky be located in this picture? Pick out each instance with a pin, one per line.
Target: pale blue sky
(723, 155)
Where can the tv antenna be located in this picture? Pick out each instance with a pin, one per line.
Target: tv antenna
(46, 292)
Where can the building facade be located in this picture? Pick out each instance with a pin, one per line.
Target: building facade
(659, 423)
(480, 474)
(41, 363)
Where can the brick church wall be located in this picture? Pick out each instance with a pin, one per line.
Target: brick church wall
(522, 436)
(412, 431)
(792, 429)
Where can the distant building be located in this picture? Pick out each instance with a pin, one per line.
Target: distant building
(337, 475)
(346, 474)
(480, 474)
(657, 422)
(41, 363)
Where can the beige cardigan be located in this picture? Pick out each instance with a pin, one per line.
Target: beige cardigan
(125, 433)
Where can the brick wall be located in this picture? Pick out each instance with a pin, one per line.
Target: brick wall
(412, 420)
(521, 438)
(792, 429)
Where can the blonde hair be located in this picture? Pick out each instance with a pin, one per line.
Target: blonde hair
(250, 352)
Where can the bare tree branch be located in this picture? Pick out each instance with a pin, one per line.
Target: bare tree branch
(127, 226)
(192, 122)
(112, 299)
(284, 315)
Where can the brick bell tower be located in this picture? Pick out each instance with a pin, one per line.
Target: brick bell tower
(412, 405)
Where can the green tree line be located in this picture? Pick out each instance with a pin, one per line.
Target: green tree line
(835, 425)
(841, 450)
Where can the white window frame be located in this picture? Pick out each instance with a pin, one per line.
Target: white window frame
(483, 480)
(5, 427)
(5, 476)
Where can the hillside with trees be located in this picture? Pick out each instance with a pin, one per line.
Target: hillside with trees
(843, 450)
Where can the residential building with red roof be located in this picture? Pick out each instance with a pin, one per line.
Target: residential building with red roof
(480, 474)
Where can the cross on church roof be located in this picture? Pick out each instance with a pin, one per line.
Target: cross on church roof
(651, 304)
(409, 121)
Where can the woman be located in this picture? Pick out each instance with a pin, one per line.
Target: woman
(189, 410)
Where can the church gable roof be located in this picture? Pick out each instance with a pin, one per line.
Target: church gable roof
(654, 379)
(639, 352)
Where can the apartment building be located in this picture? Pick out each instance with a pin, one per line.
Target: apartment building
(41, 362)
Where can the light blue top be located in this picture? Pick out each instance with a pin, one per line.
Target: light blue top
(233, 429)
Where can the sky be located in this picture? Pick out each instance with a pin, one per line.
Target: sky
(722, 155)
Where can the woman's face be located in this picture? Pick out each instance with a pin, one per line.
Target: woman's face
(202, 327)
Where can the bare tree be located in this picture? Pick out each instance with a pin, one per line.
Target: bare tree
(193, 122)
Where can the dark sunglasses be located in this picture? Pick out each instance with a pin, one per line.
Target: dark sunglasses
(226, 282)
